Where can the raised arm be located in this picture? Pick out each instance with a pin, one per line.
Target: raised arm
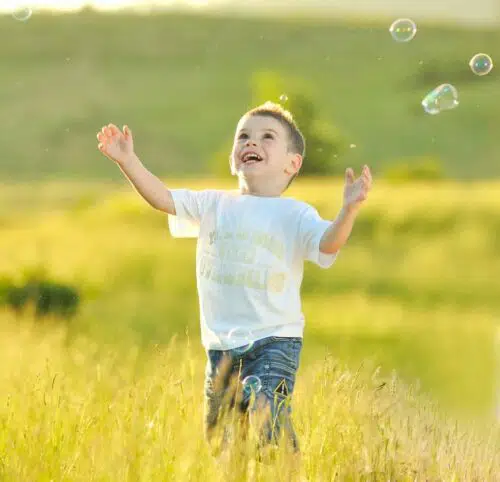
(355, 193)
(119, 147)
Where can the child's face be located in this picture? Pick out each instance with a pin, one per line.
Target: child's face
(268, 140)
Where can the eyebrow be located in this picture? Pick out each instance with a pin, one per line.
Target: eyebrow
(268, 130)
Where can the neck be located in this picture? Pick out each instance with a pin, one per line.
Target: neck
(246, 186)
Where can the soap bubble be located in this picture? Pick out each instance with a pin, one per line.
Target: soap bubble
(251, 385)
(283, 98)
(403, 30)
(242, 337)
(481, 64)
(22, 14)
(443, 97)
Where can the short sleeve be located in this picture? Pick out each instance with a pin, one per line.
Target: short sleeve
(311, 229)
(190, 207)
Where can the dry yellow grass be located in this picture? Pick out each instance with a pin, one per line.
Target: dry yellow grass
(81, 412)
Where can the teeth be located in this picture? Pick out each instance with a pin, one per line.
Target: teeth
(251, 157)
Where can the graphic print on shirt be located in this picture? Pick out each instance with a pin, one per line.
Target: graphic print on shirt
(233, 258)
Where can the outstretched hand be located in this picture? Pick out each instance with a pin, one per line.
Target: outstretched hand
(115, 144)
(356, 190)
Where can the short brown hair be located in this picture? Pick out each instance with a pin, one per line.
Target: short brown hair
(297, 143)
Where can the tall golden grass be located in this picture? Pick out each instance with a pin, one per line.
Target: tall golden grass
(116, 393)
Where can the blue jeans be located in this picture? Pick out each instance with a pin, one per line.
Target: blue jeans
(275, 361)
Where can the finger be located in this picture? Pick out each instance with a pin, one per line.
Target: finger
(127, 132)
(106, 131)
(368, 173)
(113, 129)
(101, 137)
(349, 175)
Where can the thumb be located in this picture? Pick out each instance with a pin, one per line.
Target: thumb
(127, 133)
(349, 176)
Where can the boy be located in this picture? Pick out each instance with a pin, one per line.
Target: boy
(251, 248)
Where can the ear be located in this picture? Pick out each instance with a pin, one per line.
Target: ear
(294, 165)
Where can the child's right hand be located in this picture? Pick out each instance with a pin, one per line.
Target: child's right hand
(115, 144)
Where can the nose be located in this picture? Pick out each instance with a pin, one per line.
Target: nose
(250, 142)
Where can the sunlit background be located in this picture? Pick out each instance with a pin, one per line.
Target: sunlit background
(485, 12)
(95, 293)
(73, 5)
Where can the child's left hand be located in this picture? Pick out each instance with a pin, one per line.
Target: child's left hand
(356, 191)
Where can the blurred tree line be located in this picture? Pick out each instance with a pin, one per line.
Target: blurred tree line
(325, 143)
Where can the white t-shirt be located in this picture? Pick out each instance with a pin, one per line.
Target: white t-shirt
(249, 262)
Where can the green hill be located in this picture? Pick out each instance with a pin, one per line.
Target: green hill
(181, 83)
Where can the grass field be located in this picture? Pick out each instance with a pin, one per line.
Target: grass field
(181, 82)
(104, 396)
(81, 412)
(416, 287)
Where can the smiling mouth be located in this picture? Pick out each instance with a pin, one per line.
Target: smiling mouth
(251, 158)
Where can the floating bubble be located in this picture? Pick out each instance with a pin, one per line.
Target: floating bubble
(403, 30)
(481, 64)
(22, 14)
(251, 385)
(352, 146)
(242, 338)
(283, 98)
(443, 97)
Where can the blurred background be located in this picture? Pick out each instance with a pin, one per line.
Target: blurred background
(416, 289)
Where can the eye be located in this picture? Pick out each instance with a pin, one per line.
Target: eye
(243, 136)
(268, 135)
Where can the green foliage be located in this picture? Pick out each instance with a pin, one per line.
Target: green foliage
(426, 169)
(323, 141)
(46, 297)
